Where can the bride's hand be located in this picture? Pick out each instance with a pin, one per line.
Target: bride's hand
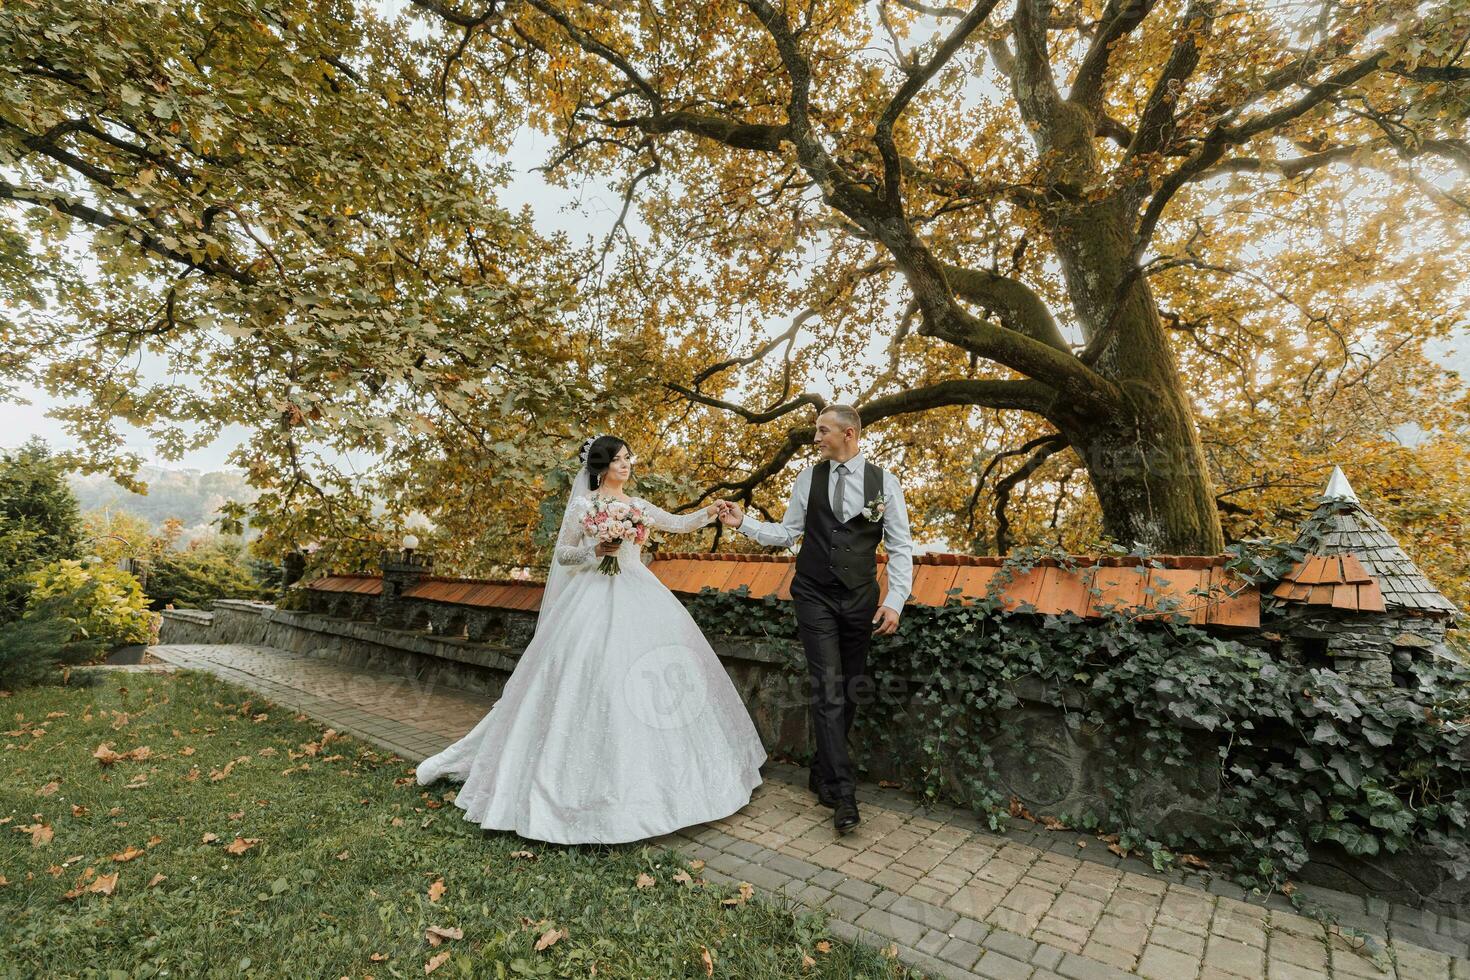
(608, 548)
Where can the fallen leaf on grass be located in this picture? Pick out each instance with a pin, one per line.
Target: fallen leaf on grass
(645, 880)
(377, 957)
(209, 838)
(436, 892)
(696, 865)
(707, 960)
(550, 937)
(41, 833)
(824, 947)
(49, 788)
(105, 755)
(807, 962)
(682, 877)
(78, 811)
(439, 934)
(129, 854)
(156, 879)
(104, 884)
(343, 856)
(435, 962)
(242, 844)
(747, 890)
(523, 854)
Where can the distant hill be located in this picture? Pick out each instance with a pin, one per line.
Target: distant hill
(192, 496)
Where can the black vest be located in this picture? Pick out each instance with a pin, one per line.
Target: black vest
(840, 553)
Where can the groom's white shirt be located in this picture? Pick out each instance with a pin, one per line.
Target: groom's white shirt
(896, 537)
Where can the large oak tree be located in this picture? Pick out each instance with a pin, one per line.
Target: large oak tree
(1011, 181)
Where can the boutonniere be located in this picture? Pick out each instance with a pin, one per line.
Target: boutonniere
(873, 509)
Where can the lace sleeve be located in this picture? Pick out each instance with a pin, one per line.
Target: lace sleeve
(676, 523)
(574, 547)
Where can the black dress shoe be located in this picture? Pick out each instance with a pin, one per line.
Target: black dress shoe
(826, 799)
(845, 815)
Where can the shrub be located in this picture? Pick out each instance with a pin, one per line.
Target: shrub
(103, 604)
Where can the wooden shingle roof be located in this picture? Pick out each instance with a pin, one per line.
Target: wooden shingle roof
(1353, 563)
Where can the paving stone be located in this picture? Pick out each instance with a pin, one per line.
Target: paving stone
(845, 908)
(1047, 956)
(932, 942)
(1304, 952)
(1104, 953)
(998, 966)
(764, 877)
(970, 930)
(932, 966)
(1411, 961)
(883, 899)
(895, 926)
(1163, 963)
(1180, 941)
(1351, 965)
(1283, 970)
(960, 952)
(1080, 968)
(922, 912)
(1017, 947)
(1234, 957)
(792, 866)
(828, 878)
(853, 888)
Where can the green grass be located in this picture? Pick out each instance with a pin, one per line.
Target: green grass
(348, 851)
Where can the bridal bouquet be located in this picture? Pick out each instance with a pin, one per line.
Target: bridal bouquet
(614, 520)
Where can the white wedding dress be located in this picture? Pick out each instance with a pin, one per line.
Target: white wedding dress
(619, 723)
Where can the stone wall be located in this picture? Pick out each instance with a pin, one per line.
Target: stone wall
(1051, 766)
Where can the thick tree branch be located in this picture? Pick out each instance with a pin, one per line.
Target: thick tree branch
(1120, 18)
(1017, 305)
(1156, 123)
(1214, 145)
(733, 133)
(1032, 82)
(917, 78)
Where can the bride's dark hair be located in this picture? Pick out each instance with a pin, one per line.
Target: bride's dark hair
(600, 456)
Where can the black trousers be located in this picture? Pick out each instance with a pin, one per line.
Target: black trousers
(836, 628)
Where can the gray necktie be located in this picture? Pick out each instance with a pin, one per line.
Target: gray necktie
(841, 496)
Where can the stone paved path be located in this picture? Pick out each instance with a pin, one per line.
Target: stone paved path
(958, 901)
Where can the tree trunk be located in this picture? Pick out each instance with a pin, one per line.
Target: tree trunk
(1147, 469)
(1145, 460)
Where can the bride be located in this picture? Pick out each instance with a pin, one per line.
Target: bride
(619, 723)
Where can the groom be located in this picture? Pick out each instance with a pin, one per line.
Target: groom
(841, 508)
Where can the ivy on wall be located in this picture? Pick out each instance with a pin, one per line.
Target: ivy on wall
(1300, 755)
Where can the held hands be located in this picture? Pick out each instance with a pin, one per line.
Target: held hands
(606, 548)
(731, 513)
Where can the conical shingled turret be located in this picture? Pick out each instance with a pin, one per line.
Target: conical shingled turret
(1354, 563)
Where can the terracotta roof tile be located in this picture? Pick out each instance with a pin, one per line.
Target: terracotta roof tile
(1048, 587)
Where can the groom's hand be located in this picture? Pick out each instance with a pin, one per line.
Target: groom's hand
(731, 513)
(885, 622)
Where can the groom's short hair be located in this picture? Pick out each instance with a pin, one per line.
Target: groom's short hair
(846, 416)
